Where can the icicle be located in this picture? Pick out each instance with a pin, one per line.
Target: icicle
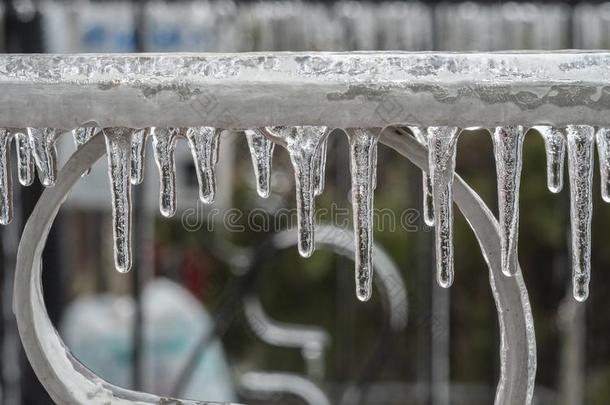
(118, 142)
(375, 165)
(164, 144)
(603, 150)
(6, 188)
(442, 142)
(508, 147)
(421, 135)
(204, 143)
(555, 146)
(363, 165)
(25, 161)
(82, 136)
(215, 154)
(580, 168)
(42, 142)
(138, 148)
(261, 151)
(319, 168)
(302, 143)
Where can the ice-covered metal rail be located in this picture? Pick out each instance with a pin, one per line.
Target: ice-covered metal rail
(342, 90)
(295, 100)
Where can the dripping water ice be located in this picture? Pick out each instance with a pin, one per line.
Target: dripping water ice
(302, 143)
(442, 143)
(375, 165)
(603, 150)
(25, 161)
(261, 151)
(555, 147)
(508, 149)
(204, 143)
(164, 145)
(81, 136)
(420, 135)
(580, 142)
(42, 142)
(138, 149)
(363, 165)
(118, 151)
(319, 168)
(6, 189)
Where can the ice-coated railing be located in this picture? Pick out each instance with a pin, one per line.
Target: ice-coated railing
(294, 100)
(341, 90)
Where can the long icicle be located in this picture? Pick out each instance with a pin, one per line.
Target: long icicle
(603, 150)
(375, 165)
(302, 143)
(363, 165)
(442, 144)
(261, 152)
(25, 160)
(6, 187)
(118, 142)
(81, 136)
(204, 143)
(508, 151)
(555, 148)
(164, 145)
(42, 142)
(421, 135)
(319, 174)
(516, 325)
(138, 150)
(580, 167)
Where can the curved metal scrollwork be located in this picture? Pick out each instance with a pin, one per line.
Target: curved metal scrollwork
(70, 382)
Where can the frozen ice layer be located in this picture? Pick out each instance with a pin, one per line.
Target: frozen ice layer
(508, 151)
(363, 164)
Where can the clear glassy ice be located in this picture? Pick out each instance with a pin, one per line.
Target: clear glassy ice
(261, 152)
(421, 135)
(603, 151)
(307, 147)
(25, 160)
(42, 142)
(81, 136)
(204, 143)
(442, 143)
(302, 143)
(363, 165)
(118, 151)
(138, 154)
(164, 145)
(580, 142)
(508, 151)
(6, 188)
(555, 148)
(320, 168)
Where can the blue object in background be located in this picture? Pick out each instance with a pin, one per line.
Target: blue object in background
(98, 329)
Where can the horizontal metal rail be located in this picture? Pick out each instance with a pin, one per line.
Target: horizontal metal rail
(368, 89)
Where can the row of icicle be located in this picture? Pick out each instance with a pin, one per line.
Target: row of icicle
(306, 146)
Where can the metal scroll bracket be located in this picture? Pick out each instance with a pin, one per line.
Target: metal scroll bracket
(70, 382)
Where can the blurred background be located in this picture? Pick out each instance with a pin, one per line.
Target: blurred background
(217, 307)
